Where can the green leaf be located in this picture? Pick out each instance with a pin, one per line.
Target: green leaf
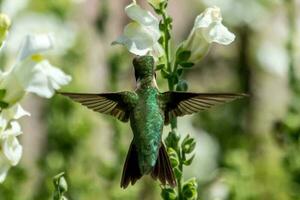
(175, 79)
(169, 20)
(160, 66)
(2, 93)
(161, 40)
(165, 73)
(186, 65)
(179, 72)
(189, 161)
(162, 26)
(3, 104)
(183, 56)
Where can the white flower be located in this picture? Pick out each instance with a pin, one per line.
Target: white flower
(33, 23)
(32, 73)
(141, 36)
(10, 144)
(273, 58)
(13, 7)
(208, 28)
(250, 12)
(10, 148)
(13, 113)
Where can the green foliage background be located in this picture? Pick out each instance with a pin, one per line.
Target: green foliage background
(257, 139)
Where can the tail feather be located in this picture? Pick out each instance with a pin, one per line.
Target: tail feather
(131, 171)
(163, 169)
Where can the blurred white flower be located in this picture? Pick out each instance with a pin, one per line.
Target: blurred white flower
(239, 12)
(205, 162)
(273, 58)
(32, 73)
(141, 36)
(219, 190)
(208, 28)
(33, 23)
(13, 7)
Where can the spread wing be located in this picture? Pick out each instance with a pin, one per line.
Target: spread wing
(177, 104)
(114, 104)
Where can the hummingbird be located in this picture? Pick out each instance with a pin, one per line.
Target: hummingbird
(148, 110)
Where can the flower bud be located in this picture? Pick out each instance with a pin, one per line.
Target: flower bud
(189, 189)
(4, 27)
(168, 194)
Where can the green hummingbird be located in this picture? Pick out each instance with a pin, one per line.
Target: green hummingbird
(148, 110)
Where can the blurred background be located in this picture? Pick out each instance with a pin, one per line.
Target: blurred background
(246, 150)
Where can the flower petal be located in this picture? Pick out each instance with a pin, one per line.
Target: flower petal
(15, 90)
(46, 79)
(210, 15)
(14, 130)
(136, 38)
(4, 167)
(136, 13)
(15, 112)
(218, 33)
(34, 44)
(12, 150)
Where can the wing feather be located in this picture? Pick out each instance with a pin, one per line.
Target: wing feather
(177, 104)
(114, 104)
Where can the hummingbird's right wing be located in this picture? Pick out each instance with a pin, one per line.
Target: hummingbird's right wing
(114, 104)
(177, 104)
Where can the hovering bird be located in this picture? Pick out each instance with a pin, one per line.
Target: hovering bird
(148, 110)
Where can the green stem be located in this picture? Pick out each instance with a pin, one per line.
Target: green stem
(168, 64)
(291, 14)
(171, 86)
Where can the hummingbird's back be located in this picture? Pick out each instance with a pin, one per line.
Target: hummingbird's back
(147, 122)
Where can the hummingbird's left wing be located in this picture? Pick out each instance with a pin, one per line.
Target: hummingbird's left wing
(114, 104)
(177, 104)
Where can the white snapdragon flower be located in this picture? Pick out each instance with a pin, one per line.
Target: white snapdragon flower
(208, 28)
(10, 144)
(33, 23)
(32, 73)
(13, 7)
(10, 148)
(141, 36)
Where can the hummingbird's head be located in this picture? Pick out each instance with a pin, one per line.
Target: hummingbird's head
(143, 67)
